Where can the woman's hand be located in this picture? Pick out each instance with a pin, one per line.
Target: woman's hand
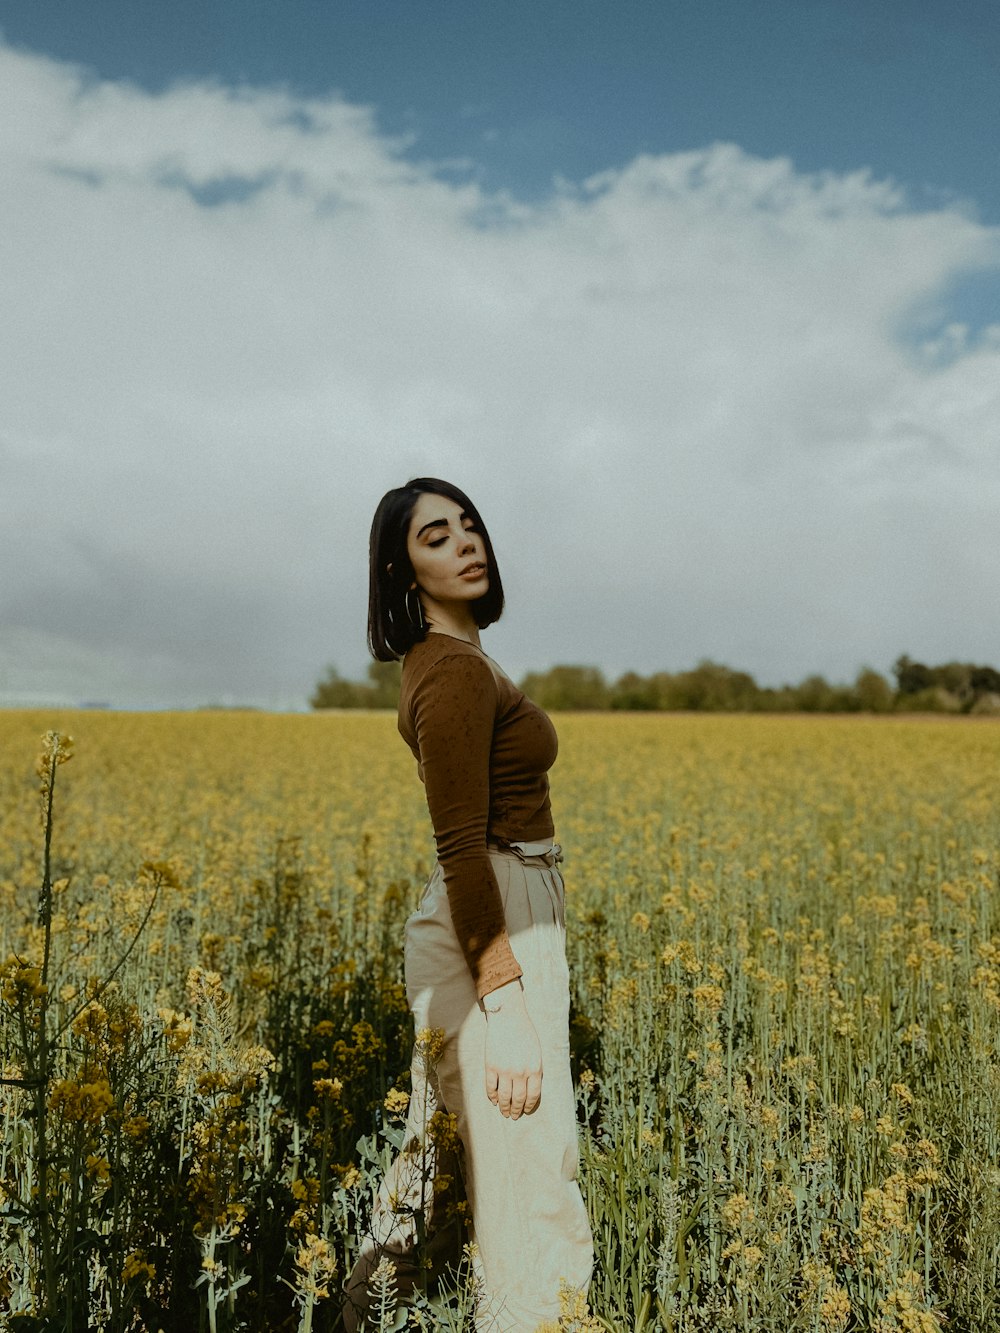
(513, 1053)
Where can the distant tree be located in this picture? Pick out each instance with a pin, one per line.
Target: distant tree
(635, 693)
(953, 676)
(911, 677)
(844, 699)
(662, 685)
(712, 687)
(335, 692)
(932, 700)
(966, 682)
(771, 700)
(950, 686)
(987, 704)
(381, 690)
(873, 690)
(567, 687)
(814, 695)
(985, 680)
(383, 682)
(956, 679)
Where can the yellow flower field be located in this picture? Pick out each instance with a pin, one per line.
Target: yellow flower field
(784, 936)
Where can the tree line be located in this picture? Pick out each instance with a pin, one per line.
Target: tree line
(954, 687)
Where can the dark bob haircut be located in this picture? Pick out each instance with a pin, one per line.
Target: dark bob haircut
(390, 630)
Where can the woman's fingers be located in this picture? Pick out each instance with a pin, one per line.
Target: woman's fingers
(518, 1092)
(533, 1093)
(514, 1094)
(505, 1089)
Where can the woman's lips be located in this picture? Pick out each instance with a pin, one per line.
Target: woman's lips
(473, 572)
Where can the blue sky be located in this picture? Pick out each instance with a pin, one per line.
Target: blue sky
(528, 91)
(721, 279)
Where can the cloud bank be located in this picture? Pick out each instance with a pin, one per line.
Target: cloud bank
(710, 406)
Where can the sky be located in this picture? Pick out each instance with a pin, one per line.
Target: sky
(699, 303)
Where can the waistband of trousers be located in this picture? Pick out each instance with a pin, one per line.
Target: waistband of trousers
(548, 853)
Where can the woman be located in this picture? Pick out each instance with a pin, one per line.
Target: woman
(485, 952)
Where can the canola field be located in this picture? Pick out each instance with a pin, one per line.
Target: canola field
(784, 939)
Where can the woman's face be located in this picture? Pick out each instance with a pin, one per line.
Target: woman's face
(446, 551)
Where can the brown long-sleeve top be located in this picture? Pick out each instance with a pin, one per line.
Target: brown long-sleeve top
(483, 751)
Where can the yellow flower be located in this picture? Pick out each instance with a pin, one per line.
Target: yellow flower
(178, 1029)
(396, 1101)
(21, 983)
(574, 1312)
(97, 1167)
(136, 1127)
(86, 1103)
(770, 1121)
(737, 1214)
(136, 1266)
(56, 749)
(328, 1089)
(708, 999)
(430, 1044)
(91, 1022)
(835, 1308)
(316, 1264)
(442, 1129)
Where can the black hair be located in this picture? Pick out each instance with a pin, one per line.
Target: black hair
(390, 630)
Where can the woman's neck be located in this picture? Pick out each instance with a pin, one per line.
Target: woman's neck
(441, 620)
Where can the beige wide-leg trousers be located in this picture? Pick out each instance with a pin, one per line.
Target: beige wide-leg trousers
(530, 1224)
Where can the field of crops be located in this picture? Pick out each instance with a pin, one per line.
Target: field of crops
(784, 936)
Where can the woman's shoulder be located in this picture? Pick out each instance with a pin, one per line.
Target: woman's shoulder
(438, 644)
(438, 647)
(443, 659)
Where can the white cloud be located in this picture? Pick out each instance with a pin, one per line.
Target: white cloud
(682, 392)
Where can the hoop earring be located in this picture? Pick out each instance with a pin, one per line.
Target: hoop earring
(417, 621)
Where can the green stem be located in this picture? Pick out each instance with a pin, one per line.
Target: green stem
(48, 1288)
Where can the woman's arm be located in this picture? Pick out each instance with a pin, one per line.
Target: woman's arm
(454, 709)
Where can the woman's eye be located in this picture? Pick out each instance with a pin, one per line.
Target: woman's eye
(440, 542)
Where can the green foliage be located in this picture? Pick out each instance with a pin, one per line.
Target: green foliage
(951, 687)
(635, 693)
(933, 699)
(911, 677)
(873, 691)
(381, 690)
(711, 687)
(66, 1180)
(714, 688)
(566, 687)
